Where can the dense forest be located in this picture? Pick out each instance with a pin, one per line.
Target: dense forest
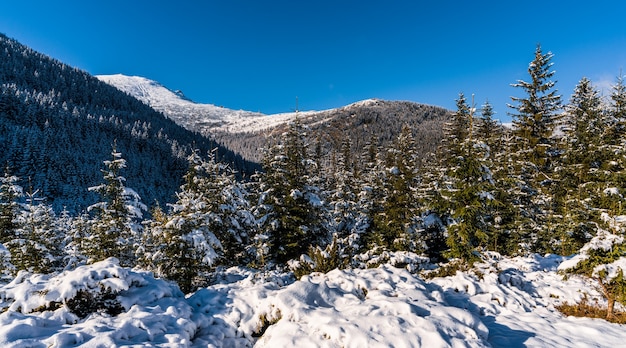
(551, 183)
(57, 123)
(375, 120)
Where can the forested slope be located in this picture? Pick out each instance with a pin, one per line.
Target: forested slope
(58, 123)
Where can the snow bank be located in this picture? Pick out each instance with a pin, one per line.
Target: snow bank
(37, 309)
(502, 302)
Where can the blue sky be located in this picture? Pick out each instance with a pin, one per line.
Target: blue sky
(261, 55)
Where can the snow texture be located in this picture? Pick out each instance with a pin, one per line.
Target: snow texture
(504, 303)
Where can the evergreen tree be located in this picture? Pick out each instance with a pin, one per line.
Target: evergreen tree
(489, 130)
(115, 229)
(585, 168)
(181, 246)
(291, 223)
(9, 206)
(343, 199)
(394, 223)
(227, 207)
(535, 117)
(38, 244)
(536, 114)
(370, 196)
(470, 191)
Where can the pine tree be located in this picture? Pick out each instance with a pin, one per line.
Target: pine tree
(291, 222)
(536, 115)
(488, 129)
(228, 209)
(470, 192)
(10, 192)
(584, 170)
(343, 198)
(394, 222)
(181, 245)
(535, 118)
(37, 246)
(115, 229)
(439, 182)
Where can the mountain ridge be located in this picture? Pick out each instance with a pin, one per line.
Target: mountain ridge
(246, 132)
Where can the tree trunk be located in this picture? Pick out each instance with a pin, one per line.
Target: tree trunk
(609, 298)
(610, 307)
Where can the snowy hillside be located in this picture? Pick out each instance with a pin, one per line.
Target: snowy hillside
(205, 118)
(245, 133)
(502, 303)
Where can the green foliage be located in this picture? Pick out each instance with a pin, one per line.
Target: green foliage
(393, 218)
(535, 116)
(9, 208)
(469, 189)
(86, 302)
(182, 245)
(115, 230)
(598, 262)
(38, 241)
(335, 255)
(291, 203)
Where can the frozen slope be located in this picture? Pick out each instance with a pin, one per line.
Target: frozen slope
(204, 118)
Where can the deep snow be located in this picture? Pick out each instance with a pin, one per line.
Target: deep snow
(502, 303)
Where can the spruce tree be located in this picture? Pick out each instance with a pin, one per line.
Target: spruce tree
(291, 222)
(184, 244)
(585, 168)
(343, 196)
(395, 222)
(470, 190)
(38, 243)
(115, 229)
(10, 192)
(535, 116)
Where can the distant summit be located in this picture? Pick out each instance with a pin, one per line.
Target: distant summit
(247, 133)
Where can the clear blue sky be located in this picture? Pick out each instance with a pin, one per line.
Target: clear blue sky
(260, 55)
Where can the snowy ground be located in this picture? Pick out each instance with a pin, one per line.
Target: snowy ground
(506, 303)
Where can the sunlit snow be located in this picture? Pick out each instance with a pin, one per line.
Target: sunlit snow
(504, 303)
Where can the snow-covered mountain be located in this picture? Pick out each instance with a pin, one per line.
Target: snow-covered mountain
(203, 118)
(245, 132)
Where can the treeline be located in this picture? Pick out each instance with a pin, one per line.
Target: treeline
(549, 184)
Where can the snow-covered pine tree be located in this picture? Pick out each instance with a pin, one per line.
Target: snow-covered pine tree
(438, 182)
(603, 259)
(38, 243)
(585, 169)
(535, 117)
(10, 192)
(617, 111)
(343, 199)
(500, 215)
(370, 196)
(291, 222)
(434, 214)
(180, 245)
(115, 229)
(610, 193)
(229, 210)
(395, 221)
(470, 190)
